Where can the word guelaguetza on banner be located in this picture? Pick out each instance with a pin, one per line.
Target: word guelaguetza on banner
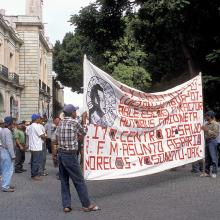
(132, 133)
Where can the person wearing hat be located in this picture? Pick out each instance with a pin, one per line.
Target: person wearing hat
(20, 147)
(7, 154)
(211, 129)
(69, 166)
(36, 137)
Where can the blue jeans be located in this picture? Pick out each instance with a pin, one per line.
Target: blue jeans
(7, 166)
(36, 160)
(211, 156)
(69, 168)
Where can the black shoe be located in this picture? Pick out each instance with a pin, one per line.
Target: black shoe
(23, 170)
(18, 171)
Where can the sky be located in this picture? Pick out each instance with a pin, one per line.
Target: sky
(56, 14)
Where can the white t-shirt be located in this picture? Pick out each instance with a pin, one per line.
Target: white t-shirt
(42, 128)
(34, 131)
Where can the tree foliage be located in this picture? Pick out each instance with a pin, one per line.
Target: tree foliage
(181, 37)
(178, 33)
(143, 41)
(68, 61)
(126, 62)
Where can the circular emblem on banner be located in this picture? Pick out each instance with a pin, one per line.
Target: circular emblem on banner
(101, 102)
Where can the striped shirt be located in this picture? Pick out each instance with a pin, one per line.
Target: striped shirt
(67, 133)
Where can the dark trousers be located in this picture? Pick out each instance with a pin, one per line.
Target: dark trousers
(211, 156)
(218, 148)
(43, 160)
(20, 158)
(197, 166)
(36, 160)
(69, 168)
(48, 145)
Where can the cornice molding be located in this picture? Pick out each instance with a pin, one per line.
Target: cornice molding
(10, 30)
(45, 42)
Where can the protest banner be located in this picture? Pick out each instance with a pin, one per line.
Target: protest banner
(132, 133)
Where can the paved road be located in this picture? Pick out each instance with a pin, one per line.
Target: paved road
(170, 195)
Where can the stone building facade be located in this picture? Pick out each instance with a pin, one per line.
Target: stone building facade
(11, 86)
(34, 61)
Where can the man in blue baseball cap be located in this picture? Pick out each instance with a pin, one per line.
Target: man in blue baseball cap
(7, 154)
(36, 137)
(34, 117)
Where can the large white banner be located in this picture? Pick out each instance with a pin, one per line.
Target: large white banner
(132, 133)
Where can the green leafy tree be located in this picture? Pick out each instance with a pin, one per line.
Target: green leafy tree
(177, 34)
(101, 27)
(126, 61)
(171, 37)
(101, 23)
(68, 58)
(181, 36)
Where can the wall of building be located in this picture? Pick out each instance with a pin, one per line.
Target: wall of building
(29, 65)
(35, 69)
(10, 89)
(29, 55)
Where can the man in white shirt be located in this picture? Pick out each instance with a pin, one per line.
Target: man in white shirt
(35, 137)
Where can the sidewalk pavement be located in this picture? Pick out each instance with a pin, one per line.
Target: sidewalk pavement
(170, 195)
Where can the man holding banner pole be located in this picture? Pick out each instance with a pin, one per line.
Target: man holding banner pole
(69, 166)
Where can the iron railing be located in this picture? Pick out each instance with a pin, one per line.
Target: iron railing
(4, 71)
(14, 77)
(43, 88)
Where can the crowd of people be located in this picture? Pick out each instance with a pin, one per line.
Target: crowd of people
(18, 137)
(63, 138)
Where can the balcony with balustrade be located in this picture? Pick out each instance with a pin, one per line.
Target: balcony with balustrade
(13, 77)
(9, 77)
(3, 71)
(44, 89)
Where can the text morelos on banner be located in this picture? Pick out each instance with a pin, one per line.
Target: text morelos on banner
(132, 133)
